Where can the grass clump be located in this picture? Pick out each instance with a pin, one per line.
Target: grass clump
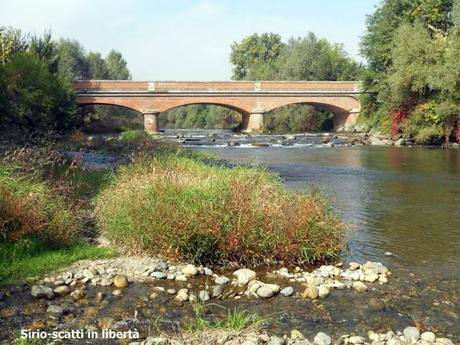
(134, 135)
(181, 208)
(235, 320)
(29, 207)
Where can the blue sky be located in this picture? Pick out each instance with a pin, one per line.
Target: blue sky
(186, 39)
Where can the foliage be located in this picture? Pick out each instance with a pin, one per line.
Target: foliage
(163, 205)
(412, 50)
(266, 57)
(134, 135)
(50, 217)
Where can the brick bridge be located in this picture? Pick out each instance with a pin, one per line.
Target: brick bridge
(251, 99)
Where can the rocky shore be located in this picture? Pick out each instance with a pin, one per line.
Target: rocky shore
(77, 296)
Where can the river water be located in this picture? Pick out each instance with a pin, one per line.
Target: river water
(397, 199)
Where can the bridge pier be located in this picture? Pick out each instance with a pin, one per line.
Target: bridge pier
(151, 122)
(253, 122)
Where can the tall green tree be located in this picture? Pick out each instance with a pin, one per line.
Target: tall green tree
(97, 66)
(72, 61)
(117, 66)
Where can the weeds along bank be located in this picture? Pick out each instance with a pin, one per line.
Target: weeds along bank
(185, 209)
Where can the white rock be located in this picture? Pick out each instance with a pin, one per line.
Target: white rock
(287, 291)
(323, 291)
(244, 276)
(182, 295)
(41, 291)
(203, 296)
(207, 271)
(61, 290)
(411, 334)
(222, 280)
(189, 270)
(322, 339)
(444, 341)
(265, 292)
(356, 340)
(428, 336)
(359, 286)
(181, 277)
(159, 275)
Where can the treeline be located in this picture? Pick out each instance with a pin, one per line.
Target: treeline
(413, 73)
(35, 80)
(267, 57)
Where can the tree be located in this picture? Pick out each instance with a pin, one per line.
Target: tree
(72, 60)
(255, 56)
(116, 66)
(97, 66)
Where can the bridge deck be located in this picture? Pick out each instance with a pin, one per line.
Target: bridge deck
(125, 86)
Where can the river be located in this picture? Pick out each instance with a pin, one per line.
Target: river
(394, 199)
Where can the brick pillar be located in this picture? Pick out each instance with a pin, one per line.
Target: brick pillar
(253, 122)
(151, 123)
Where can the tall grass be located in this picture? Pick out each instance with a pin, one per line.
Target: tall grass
(181, 208)
(28, 207)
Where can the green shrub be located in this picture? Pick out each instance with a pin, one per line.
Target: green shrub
(134, 135)
(181, 208)
(28, 207)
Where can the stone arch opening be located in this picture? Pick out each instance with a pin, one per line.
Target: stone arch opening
(337, 118)
(110, 118)
(201, 115)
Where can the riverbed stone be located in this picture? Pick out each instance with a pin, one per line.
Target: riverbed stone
(42, 291)
(171, 291)
(61, 290)
(217, 291)
(190, 270)
(323, 291)
(78, 294)
(311, 293)
(376, 304)
(265, 292)
(322, 339)
(203, 296)
(359, 286)
(244, 276)
(428, 336)
(287, 291)
(120, 281)
(182, 295)
(411, 334)
(444, 341)
(296, 334)
(155, 341)
(222, 280)
(55, 310)
(356, 340)
(159, 275)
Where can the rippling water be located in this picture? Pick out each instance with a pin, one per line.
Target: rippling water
(402, 200)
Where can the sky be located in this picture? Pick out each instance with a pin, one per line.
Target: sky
(186, 39)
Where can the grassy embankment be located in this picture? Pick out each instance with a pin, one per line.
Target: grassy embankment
(42, 206)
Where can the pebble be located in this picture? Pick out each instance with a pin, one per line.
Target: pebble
(428, 336)
(78, 294)
(222, 280)
(359, 286)
(120, 281)
(357, 340)
(388, 254)
(287, 291)
(244, 276)
(171, 291)
(55, 310)
(323, 291)
(265, 292)
(311, 293)
(41, 291)
(117, 292)
(295, 334)
(412, 334)
(189, 270)
(217, 291)
(182, 295)
(61, 290)
(203, 296)
(159, 275)
(322, 339)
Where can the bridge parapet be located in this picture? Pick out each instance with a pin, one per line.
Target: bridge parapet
(111, 86)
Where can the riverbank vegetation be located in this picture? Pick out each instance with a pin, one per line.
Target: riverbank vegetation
(186, 209)
(412, 81)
